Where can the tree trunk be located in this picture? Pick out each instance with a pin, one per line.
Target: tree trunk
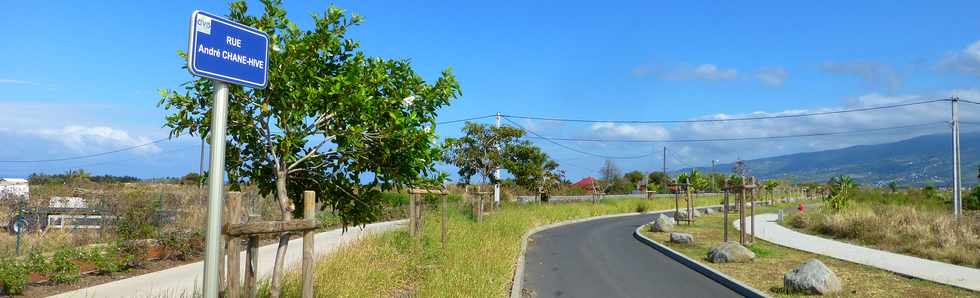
(287, 214)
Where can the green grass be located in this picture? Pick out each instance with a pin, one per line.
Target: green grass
(765, 273)
(478, 261)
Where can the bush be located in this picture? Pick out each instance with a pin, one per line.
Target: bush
(13, 276)
(972, 201)
(108, 259)
(641, 207)
(62, 268)
(799, 221)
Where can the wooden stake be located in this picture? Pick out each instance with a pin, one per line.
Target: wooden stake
(233, 244)
(251, 266)
(411, 215)
(309, 213)
(725, 212)
(445, 218)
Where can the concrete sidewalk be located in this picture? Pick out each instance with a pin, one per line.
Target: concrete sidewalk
(767, 229)
(184, 281)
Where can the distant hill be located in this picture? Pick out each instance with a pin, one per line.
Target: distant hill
(917, 161)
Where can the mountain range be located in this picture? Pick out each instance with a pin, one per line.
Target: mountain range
(918, 161)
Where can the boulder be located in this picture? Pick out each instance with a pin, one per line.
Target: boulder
(662, 224)
(730, 252)
(813, 277)
(709, 210)
(682, 214)
(682, 238)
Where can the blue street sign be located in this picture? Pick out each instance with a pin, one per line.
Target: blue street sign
(227, 51)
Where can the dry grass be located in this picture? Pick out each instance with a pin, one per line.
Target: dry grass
(772, 261)
(923, 232)
(477, 262)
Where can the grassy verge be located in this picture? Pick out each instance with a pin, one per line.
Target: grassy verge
(772, 261)
(477, 262)
(906, 229)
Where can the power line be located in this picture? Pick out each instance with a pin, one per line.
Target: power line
(89, 155)
(467, 119)
(739, 139)
(79, 166)
(970, 101)
(576, 149)
(897, 105)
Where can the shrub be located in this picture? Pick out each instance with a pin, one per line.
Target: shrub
(13, 276)
(62, 268)
(108, 259)
(972, 201)
(799, 221)
(641, 207)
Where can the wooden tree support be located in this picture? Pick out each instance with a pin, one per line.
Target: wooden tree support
(234, 232)
(677, 188)
(743, 193)
(478, 206)
(416, 220)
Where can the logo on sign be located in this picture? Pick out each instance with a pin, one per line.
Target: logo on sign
(204, 24)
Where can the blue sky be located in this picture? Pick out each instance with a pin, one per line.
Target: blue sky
(83, 79)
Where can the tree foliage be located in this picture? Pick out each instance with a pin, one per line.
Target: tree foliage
(531, 167)
(480, 151)
(841, 190)
(332, 119)
(695, 180)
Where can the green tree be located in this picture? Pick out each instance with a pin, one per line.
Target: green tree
(609, 176)
(893, 186)
(770, 186)
(841, 190)
(659, 180)
(480, 150)
(634, 177)
(695, 180)
(332, 119)
(531, 167)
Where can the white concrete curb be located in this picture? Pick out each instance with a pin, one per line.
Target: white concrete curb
(727, 281)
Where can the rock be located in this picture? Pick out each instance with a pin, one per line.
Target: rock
(682, 214)
(709, 210)
(730, 252)
(682, 238)
(813, 277)
(662, 224)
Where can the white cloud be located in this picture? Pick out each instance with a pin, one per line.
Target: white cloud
(87, 139)
(966, 61)
(17, 82)
(712, 72)
(772, 76)
(708, 72)
(932, 115)
(875, 75)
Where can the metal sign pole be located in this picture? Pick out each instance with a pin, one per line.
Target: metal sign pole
(216, 186)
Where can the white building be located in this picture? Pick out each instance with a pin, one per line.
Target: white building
(14, 189)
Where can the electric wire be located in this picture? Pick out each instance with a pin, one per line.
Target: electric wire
(891, 106)
(89, 155)
(578, 150)
(739, 138)
(467, 119)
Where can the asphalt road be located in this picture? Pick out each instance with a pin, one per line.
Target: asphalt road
(600, 258)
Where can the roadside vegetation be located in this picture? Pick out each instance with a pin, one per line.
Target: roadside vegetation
(765, 272)
(478, 261)
(915, 222)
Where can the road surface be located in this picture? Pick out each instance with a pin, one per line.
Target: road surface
(600, 258)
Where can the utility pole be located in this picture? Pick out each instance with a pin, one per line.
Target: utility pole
(496, 174)
(665, 161)
(957, 201)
